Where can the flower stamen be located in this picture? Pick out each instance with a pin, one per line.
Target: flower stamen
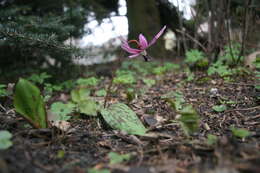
(135, 41)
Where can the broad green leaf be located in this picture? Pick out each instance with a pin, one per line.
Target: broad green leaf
(80, 94)
(219, 108)
(120, 116)
(29, 103)
(189, 120)
(5, 141)
(241, 133)
(116, 158)
(62, 110)
(88, 107)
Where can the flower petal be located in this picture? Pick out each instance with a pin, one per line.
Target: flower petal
(127, 48)
(143, 42)
(133, 56)
(157, 36)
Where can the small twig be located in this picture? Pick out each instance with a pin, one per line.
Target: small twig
(240, 84)
(2, 107)
(244, 109)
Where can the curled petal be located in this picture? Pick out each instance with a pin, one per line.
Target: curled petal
(157, 36)
(143, 42)
(127, 48)
(133, 56)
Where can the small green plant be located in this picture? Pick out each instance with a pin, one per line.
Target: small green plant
(240, 133)
(189, 74)
(101, 93)
(28, 101)
(5, 139)
(84, 103)
(92, 81)
(124, 77)
(211, 139)
(197, 58)
(49, 89)
(39, 78)
(68, 85)
(220, 69)
(175, 99)
(61, 111)
(231, 54)
(3, 91)
(189, 119)
(130, 94)
(60, 154)
(116, 158)
(219, 108)
(149, 82)
(95, 170)
(159, 70)
(171, 66)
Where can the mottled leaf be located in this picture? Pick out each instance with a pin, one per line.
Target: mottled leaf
(120, 116)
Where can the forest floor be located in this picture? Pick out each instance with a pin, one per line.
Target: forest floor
(87, 145)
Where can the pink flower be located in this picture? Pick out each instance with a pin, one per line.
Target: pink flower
(142, 45)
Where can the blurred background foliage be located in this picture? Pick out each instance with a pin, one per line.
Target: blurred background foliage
(37, 34)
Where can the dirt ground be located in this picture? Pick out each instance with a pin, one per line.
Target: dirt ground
(168, 150)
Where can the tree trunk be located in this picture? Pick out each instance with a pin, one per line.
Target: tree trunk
(143, 17)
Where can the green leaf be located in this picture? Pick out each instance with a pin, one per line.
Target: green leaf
(29, 103)
(116, 158)
(101, 93)
(3, 91)
(120, 116)
(241, 133)
(39, 78)
(175, 99)
(81, 94)
(149, 82)
(219, 108)
(88, 107)
(60, 154)
(5, 141)
(124, 78)
(62, 110)
(212, 139)
(92, 81)
(159, 70)
(189, 120)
